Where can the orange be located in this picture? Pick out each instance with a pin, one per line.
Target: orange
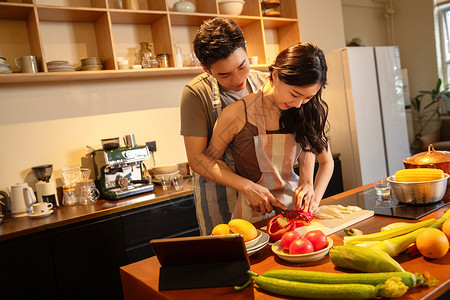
(243, 227)
(432, 243)
(446, 228)
(221, 229)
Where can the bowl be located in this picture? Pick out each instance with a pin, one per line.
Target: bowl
(231, 7)
(301, 258)
(166, 169)
(422, 192)
(253, 242)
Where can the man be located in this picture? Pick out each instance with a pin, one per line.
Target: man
(220, 47)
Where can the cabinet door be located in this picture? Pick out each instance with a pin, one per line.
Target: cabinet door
(159, 220)
(26, 268)
(145, 250)
(88, 258)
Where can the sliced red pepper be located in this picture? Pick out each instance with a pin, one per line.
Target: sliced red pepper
(301, 218)
(412, 250)
(349, 231)
(278, 225)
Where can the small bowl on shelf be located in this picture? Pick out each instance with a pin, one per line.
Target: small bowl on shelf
(231, 7)
(164, 170)
(301, 258)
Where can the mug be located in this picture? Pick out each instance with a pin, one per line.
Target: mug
(27, 64)
(86, 192)
(22, 197)
(41, 207)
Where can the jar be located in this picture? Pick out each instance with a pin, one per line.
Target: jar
(146, 55)
(184, 6)
(163, 60)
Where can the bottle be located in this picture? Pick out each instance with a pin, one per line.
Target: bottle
(178, 56)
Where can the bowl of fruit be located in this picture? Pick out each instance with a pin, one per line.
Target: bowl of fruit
(299, 249)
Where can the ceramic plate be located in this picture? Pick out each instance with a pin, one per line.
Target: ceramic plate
(300, 258)
(157, 178)
(250, 244)
(41, 215)
(262, 242)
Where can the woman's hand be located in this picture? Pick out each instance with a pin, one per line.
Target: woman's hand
(260, 198)
(304, 198)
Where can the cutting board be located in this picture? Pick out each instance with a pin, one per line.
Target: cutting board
(333, 225)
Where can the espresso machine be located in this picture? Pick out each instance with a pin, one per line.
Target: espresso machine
(45, 187)
(119, 171)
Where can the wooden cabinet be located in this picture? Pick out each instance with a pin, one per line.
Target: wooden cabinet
(52, 30)
(172, 218)
(87, 259)
(82, 260)
(27, 268)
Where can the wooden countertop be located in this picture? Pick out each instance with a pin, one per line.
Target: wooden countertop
(140, 279)
(65, 215)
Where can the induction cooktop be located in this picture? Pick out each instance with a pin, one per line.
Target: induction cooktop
(389, 206)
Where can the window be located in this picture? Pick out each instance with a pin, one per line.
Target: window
(444, 41)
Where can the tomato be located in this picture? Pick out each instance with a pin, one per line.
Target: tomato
(288, 238)
(317, 238)
(301, 246)
(278, 225)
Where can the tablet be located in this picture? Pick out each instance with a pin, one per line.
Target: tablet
(201, 261)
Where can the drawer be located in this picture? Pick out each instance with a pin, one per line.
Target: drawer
(159, 220)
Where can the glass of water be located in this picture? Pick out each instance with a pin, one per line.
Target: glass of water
(382, 188)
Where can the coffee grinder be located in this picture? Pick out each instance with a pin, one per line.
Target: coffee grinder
(45, 187)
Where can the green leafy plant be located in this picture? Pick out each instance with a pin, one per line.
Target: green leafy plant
(426, 111)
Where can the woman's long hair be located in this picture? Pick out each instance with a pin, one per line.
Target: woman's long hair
(301, 65)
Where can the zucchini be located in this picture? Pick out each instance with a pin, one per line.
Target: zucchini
(316, 290)
(409, 279)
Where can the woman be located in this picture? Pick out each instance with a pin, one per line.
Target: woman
(280, 124)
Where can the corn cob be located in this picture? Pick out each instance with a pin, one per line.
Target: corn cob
(418, 175)
(363, 259)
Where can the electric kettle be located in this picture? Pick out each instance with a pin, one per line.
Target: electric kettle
(22, 198)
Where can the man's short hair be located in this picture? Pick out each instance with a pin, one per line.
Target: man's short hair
(216, 39)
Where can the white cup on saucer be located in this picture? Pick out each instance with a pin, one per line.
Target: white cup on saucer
(42, 208)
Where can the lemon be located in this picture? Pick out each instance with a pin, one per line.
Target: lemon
(221, 229)
(243, 227)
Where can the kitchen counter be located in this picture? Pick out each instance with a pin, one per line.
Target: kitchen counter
(140, 279)
(66, 215)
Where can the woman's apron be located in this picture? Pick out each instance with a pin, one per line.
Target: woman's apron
(276, 155)
(214, 203)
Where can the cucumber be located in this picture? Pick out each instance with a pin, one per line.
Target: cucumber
(409, 279)
(316, 290)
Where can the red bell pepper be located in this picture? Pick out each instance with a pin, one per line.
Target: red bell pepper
(301, 218)
(278, 225)
(412, 250)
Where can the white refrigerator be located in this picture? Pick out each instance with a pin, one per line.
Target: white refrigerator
(366, 113)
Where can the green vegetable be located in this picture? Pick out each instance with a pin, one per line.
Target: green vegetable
(409, 279)
(386, 234)
(393, 287)
(363, 259)
(395, 246)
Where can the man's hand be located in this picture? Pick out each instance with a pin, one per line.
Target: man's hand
(260, 198)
